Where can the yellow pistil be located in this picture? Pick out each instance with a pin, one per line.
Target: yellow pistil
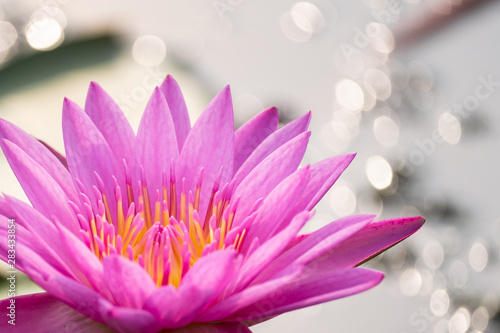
(164, 238)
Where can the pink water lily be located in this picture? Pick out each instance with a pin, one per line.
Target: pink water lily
(176, 224)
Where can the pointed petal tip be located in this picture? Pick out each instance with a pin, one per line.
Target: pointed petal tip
(68, 105)
(378, 277)
(94, 85)
(94, 88)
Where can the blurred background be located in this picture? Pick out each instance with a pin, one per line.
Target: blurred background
(412, 86)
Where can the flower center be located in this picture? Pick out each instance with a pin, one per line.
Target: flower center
(166, 236)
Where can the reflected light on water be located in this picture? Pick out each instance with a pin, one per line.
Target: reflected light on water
(386, 131)
(307, 17)
(381, 36)
(449, 128)
(440, 302)
(292, 31)
(349, 95)
(149, 50)
(8, 36)
(410, 282)
(433, 254)
(342, 200)
(44, 33)
(379, 172)
(460, 321)
(478, 257)
(380, 83)
(480, 319)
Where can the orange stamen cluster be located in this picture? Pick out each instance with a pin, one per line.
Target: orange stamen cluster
(167, 236)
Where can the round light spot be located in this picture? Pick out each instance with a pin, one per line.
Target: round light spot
(349, 94)
(149, 50)
(440, 302)
(480, 319)
(380, 83)
(449, 128)
(8, 36)
(44, 34)
(292, 31)
(433, 254)
(478, 257)
(342, 200)
(379, 172)
(386, 131)
(460, 321)
(381, 37)
(410, 282)
(307, 17)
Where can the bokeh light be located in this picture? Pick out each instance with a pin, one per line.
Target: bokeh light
(410, 282)
(349, 94)
(149, 50)
(379, 172)
(44, 33)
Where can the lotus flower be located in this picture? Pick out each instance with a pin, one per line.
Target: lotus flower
(176, 224)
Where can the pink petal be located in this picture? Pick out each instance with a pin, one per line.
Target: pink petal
(81, 298)
(271, 216)
(249, 136)
(318, 243)
(41, 313)
(22, 236)
(127, 282)
(210, 144)
(314, 286)
(376, 237)
(88, 152)
(322, 176)
(157, 302)
(199, 288)
(126, 320)
(54, 152)
(5, 209)
(213, 328)
(111, 122)
(84, 259)
(178, 109)
(269, 173)
(271, 143)
(264, 255)
(41, 155)
(50, 245)
(249, 296)
(156, 143)
(40, 188)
